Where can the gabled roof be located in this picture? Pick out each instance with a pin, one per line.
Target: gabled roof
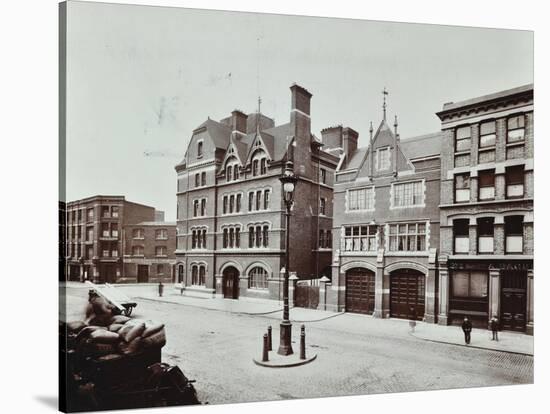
(421, 146)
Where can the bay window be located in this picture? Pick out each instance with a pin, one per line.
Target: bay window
(407, 237)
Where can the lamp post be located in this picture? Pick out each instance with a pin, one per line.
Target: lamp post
(288, 180)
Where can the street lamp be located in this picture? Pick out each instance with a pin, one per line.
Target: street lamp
(288, 180)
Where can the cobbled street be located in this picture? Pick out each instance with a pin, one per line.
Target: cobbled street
(356, 355)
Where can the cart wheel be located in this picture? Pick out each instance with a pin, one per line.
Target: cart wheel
(128, 311)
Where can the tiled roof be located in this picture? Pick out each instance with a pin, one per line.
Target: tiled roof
(422, 146)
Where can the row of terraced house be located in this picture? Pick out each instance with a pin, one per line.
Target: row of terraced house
(439, 225)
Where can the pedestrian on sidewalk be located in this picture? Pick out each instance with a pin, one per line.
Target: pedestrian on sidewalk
(494, 325)
(467, 328)
(412, 318)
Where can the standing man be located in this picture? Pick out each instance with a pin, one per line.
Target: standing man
(493, 324)
(467, 328)
(412, 318)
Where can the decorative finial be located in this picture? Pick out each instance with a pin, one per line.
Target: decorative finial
(384, 93)
(258, 115)
(371, 129)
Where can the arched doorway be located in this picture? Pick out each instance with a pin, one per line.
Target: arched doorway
(181, 273)
(407, 290)
(230, 283)
(360, 290)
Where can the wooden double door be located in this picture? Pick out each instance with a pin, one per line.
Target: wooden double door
(360, 291)
(513, 300)
(230, 283)
(407, 290)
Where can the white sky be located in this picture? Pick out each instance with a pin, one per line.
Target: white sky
(140, 79)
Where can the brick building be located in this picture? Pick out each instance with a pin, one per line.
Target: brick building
(386, 235)
(94, 242)
(486, 257)
(149, 251)
(230, 218)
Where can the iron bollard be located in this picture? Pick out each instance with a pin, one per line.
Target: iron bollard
(161, 289)
(265, 354)
(303, 343)
(269, 342)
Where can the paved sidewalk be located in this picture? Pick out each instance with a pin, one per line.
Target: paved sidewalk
(481, 338)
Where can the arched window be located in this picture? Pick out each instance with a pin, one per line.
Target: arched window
(180, 273)
(255, 167)
(228, 172)
(203, 178)
(199, 149)
(266, 199)
(265, 236)
(258, 236)
(251, 237)
(194, 275)
(202, 276)
(235, 172)
(224, 238)
(257, 278)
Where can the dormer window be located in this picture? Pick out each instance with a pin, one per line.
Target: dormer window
(383, 159)
(259, 163)
(199, 149)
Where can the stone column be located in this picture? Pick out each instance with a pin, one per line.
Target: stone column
(430, 286)
(219, 288)
(324, 284)
(381, 288)
(499, 242)
(443, 317)
(494, 294)
(473, 187)
(500, 183)
(530, 308)
(473, 236)
(243, 285)
(292, 281)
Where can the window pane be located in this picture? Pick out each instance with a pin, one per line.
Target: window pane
(487, 140)
(516, 122)
(486, 193)
(487, 128)
(516, 135)
(461, 281)
(463, 132)
(463, 144)
(462, 244)
(478, 284)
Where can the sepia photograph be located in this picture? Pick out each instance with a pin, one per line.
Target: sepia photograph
(257, 207)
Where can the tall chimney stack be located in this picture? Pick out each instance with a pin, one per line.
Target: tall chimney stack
(238, 121)
(300, 128)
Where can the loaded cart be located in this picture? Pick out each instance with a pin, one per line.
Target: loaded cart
(121, 302)
(111, 361)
